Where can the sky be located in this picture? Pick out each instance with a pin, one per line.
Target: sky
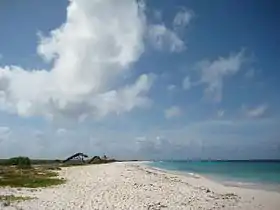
(140, 79)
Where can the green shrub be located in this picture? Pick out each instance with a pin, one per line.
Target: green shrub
(28, 177)
(22, 162)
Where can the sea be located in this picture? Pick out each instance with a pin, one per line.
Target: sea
(263, 174)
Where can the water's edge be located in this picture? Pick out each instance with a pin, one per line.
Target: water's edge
(218, 179)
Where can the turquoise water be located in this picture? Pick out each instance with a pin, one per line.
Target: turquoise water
(258, 172)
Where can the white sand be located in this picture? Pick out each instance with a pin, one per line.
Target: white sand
(135, 186)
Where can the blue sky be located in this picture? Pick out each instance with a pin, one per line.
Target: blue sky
(146, 79)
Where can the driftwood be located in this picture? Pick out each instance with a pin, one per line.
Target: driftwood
(80, 156)
(95, 159)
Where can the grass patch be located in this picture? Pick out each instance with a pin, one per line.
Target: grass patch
(7, 200)
(12, 198)
(30, 178)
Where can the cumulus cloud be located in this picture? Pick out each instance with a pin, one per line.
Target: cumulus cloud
(203, 139)
(163, 38)
(219, 139)
(166, 39)
(257, 111)
(172, 112)
(182, 19)
(89, 53)
(214, 72)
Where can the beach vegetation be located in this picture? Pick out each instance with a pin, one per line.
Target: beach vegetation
(13, 198)
(7, 200)
(31, 177)
(21, 162)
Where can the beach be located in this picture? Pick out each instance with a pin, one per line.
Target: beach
(133, 185)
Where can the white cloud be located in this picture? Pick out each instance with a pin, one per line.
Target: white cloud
(97, 44)
(173, 112)
(257, 111)
(171, 87)
(182, 19)
(186, 83)
(202, 139)
(163, 38)
(219, 139)
(213, 73)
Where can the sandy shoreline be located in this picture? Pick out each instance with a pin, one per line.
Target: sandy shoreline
(219, 180)
(136, 186)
